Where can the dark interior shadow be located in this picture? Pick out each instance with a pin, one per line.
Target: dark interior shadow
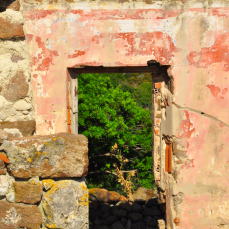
(4, 4)
(126, 215)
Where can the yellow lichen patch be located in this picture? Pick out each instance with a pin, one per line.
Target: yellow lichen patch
(38, 153)
(51, 225)
(47, 184)
(84, 200)
(56, 186)
(83, 186)
(29, 159)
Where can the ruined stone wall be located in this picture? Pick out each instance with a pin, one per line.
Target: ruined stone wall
(16, 109)
(42, 184)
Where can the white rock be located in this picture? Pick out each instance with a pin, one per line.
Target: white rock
(5, 184)
(10, 195)
(22, 105)
(15, 132)
(12, 16)
(3, 102)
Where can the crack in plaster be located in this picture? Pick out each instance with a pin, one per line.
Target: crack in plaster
(200, 112)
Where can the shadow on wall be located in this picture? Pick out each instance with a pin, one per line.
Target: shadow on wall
(127, 215)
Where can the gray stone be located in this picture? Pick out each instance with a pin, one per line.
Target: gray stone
(119, 212)
(136, 207)
(138, 225)
(135, 216)
(152, 211)
(110, 219)
(59, 155)
(117, 225)
(65, 205)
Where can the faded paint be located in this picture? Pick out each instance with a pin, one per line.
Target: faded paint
(193, 38)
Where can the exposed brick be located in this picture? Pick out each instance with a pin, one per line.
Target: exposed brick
(14, 216)
(27, 128)
(27, 193)
(59, 155)
(17, 88)
(10, 30)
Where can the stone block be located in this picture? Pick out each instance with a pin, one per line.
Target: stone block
(59, 155)
(9, 133)
(26, 128)
(9, 30)
(65, 205)
(17, 88)
(143, 194)
(28, 193)
(104, 195)
(14, 216)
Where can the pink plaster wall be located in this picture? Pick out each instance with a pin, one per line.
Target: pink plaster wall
(193, 40)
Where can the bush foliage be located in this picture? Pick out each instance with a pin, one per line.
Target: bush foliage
(110, 113)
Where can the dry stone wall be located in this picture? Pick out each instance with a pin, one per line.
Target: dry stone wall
(42, 182)
(16, 110)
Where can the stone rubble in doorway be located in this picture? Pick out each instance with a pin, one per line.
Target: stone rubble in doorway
(119, 213)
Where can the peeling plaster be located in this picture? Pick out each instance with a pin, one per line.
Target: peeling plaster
(202, 113)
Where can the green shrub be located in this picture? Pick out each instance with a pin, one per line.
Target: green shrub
(109, 114)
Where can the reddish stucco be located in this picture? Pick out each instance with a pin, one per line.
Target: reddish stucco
(193, 40)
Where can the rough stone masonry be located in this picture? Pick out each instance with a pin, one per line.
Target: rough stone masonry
(38, 198)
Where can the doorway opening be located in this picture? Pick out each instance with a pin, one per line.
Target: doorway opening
(112, 106)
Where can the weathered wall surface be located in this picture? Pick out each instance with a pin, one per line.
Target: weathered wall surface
(16, 110)
(191, 36)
